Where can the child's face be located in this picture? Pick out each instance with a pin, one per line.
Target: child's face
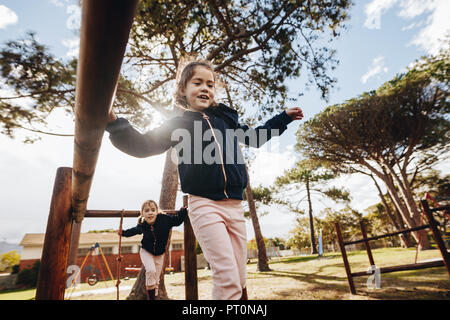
(199, 89)
(149, 211)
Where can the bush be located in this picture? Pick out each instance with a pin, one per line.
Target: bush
(15, 269)
(28, 277)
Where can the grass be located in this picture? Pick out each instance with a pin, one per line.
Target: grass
(309, 277)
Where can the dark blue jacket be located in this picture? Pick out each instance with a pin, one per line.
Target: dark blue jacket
(156, 236)
(216, 180)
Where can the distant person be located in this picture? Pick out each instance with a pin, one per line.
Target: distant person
(155, 226)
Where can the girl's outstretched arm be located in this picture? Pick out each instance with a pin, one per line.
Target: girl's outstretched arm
(274, 127)
(178, 218)
(127, 139)
(132, 231)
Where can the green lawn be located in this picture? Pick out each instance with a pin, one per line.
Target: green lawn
(308, 277)
(18, 294)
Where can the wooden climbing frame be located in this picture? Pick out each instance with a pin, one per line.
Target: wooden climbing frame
(104, 33)
(432, 225)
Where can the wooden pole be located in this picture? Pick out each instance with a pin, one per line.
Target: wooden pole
(437, 235)
(55, 253)
(344, 257)
(105, 28)
(74, 242)
(366, 243)
(190, 259)
(118, 213)
(119, 256)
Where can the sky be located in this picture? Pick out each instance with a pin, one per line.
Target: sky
(383, 38)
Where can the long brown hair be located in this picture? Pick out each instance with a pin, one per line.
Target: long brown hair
(186, 75)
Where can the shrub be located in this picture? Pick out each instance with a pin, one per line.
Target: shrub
(28, 277)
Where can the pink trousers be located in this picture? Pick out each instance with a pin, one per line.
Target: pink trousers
(219, 227)
(153, 266)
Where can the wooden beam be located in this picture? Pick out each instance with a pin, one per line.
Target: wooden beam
(387, 235)
(51, 281)
(74, 242)
(437, 235)
(366, 243)
(351, 284)
(105, 28)
(117, 213)
(404, 267)
(190, 259)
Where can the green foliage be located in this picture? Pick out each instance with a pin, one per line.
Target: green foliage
(102, 231)
(9, 259)
(347, 218)
(406, 115)
(28, 277)
(257, 46)
(310, 178)
(15, 269)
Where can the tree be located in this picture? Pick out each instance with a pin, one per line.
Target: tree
(257, 46)
(347, 218)
(311, 176)
(8, 260)
(261, 196)
(392, 132)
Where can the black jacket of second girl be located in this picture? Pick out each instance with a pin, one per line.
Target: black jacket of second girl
(156, 236)
(216, 180)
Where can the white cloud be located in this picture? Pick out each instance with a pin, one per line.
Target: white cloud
(413, 8)
(432, 37)
(374, 10)
(270, 163)
(435, 25)
(58, 3)
(73, 45)
(74, 20)
(376, 68)
(7, 17)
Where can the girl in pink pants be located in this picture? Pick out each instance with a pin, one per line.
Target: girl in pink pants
(220, 230)
(211, 167)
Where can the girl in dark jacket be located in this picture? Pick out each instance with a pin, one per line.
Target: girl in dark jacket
(155, 227)
(211, 169)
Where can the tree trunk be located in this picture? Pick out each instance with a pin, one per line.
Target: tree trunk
(262, 256)
(423, 241)
(311, 220)
(398, 226)
(392, 191)
(167, 200)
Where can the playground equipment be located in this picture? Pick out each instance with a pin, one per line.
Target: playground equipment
(105, 28)
(92, 279)
(432, 225)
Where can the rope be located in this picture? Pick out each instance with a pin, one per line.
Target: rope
(119, 258)
(71, 289)
(106, 263)
(100, 266)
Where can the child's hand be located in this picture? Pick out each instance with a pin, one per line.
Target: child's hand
(295, 113)
(119, 232)
(111, 116)
(184, 209)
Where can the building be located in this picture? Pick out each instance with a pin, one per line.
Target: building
(32, 244)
